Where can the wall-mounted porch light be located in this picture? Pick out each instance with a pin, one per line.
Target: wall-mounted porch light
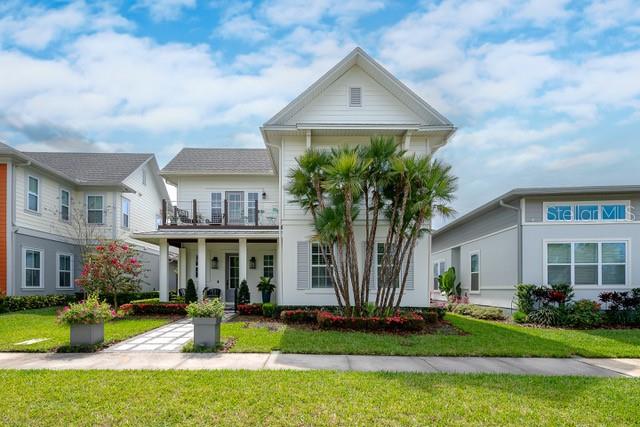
(214, 263)
(252, 263)
(264, 195)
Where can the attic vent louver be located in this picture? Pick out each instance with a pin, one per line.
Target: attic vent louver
(355, 97)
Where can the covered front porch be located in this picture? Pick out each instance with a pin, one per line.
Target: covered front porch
(217, 260)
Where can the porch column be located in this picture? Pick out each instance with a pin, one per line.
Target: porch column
(242, 261)
(164, 270)
(202, 266)
(182, 268)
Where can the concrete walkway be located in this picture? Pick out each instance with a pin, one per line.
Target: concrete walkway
(259, 361)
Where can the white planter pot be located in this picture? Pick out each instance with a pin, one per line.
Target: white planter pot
(206, 331)
(83, 335)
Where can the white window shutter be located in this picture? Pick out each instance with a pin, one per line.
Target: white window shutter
(303, 265)
(409, 284)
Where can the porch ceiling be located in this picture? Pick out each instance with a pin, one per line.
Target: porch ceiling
(175, 237)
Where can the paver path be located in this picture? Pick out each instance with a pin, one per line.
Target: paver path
(168, 338)
(258, 361)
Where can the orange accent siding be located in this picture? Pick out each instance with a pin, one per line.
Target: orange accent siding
(3, 228)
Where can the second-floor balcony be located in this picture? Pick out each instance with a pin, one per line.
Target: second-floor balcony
(233, 212)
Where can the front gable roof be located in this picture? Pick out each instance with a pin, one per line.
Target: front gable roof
(358, 57)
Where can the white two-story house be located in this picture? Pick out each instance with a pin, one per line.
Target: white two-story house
(54, 204)
(234, 219)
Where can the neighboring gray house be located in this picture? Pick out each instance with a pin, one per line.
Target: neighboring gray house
(586, 236)
(52, 202)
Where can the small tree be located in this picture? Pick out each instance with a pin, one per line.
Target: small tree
(112, 268)
(448, 286)
(190, 295)
(244, 296)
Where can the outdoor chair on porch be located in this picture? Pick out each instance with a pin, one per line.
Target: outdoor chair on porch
(212, 292)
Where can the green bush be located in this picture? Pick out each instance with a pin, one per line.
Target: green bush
(525, 299)
(28, 302)
(268, 309)
(447, 283)
(190, 294)
(519, 317)
(545, 316)
(429, 316)
(478, 312)
(585, 314)
(211, 308)
(244, 296)
(429, 311)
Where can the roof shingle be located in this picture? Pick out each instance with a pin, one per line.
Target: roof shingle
(220, 161)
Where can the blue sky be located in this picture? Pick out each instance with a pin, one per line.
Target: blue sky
(543, 92)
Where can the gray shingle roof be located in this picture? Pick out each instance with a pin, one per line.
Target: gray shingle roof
(219, 161)
(92, 168)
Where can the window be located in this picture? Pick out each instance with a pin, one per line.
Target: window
(95, 206)
(32, 274)
(319, 275)
(125, 212)
(268, 266)
(585, 211)
(475, 272)
(586, 263)
(439, 267)
(144, 177)
(355, 97)
(33, 194)
(65, 202)
(65, 268)
(216, 208)
(251, 208)
(380, 247)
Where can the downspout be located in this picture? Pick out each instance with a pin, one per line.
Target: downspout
(280, 214)
(519, 241)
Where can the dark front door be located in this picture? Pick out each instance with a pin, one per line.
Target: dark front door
(232, 276)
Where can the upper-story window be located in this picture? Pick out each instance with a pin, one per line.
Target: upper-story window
(33, 194)
(585, 211)
(126, 208)
(355, 97)
(95, 209)
(65, 205)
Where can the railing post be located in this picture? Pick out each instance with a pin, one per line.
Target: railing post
(256, 211)
(226, 212)
(176, 218)
(164, 211)
(194, 214)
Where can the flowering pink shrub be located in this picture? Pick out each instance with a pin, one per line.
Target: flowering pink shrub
(112, 269)
(399, 322)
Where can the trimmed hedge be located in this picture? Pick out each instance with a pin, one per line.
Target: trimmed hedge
(250, 309)
(479, 312)
(409, 322)
(125, 297)
(155, 309)
(299, 316)
(28, 302)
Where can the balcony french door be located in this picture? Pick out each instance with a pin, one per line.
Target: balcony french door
(235, 207)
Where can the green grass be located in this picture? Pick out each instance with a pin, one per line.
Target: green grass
(288, 398)
(41, 323)
(482, 338)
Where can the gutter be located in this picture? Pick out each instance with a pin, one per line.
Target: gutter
(519, 240)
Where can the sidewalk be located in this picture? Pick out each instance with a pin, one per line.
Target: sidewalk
(275, 360)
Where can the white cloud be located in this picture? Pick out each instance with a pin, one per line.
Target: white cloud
(243, 27)
(602, 15)
(542, 12)
(166, 10)
(289, 13)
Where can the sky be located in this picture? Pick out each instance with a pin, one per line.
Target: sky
(542, 92)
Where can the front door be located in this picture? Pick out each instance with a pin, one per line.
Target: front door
(235, 207)
(232, 276)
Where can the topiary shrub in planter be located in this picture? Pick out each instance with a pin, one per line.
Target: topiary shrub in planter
(86, 320)
(244, 296)
(206, 317)
(266, 287)
(250, 309)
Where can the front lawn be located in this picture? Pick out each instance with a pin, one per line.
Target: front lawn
(41, 323)
(481, 338)
(289, 398)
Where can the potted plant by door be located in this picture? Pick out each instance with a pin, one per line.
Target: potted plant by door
(86, 320)
(206, 317)
(266, 287)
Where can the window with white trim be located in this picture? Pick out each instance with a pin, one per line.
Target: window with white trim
(216, 208)
(65, 271)
(319, 272)
(268, 266)
(439, 267)
(33, 194)
(126, 208)
(95, 209)
(252, 198)
(588, 263)
(380, 249)
(65, 205)
(585, 211)
(475, 272)
(32, 264)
